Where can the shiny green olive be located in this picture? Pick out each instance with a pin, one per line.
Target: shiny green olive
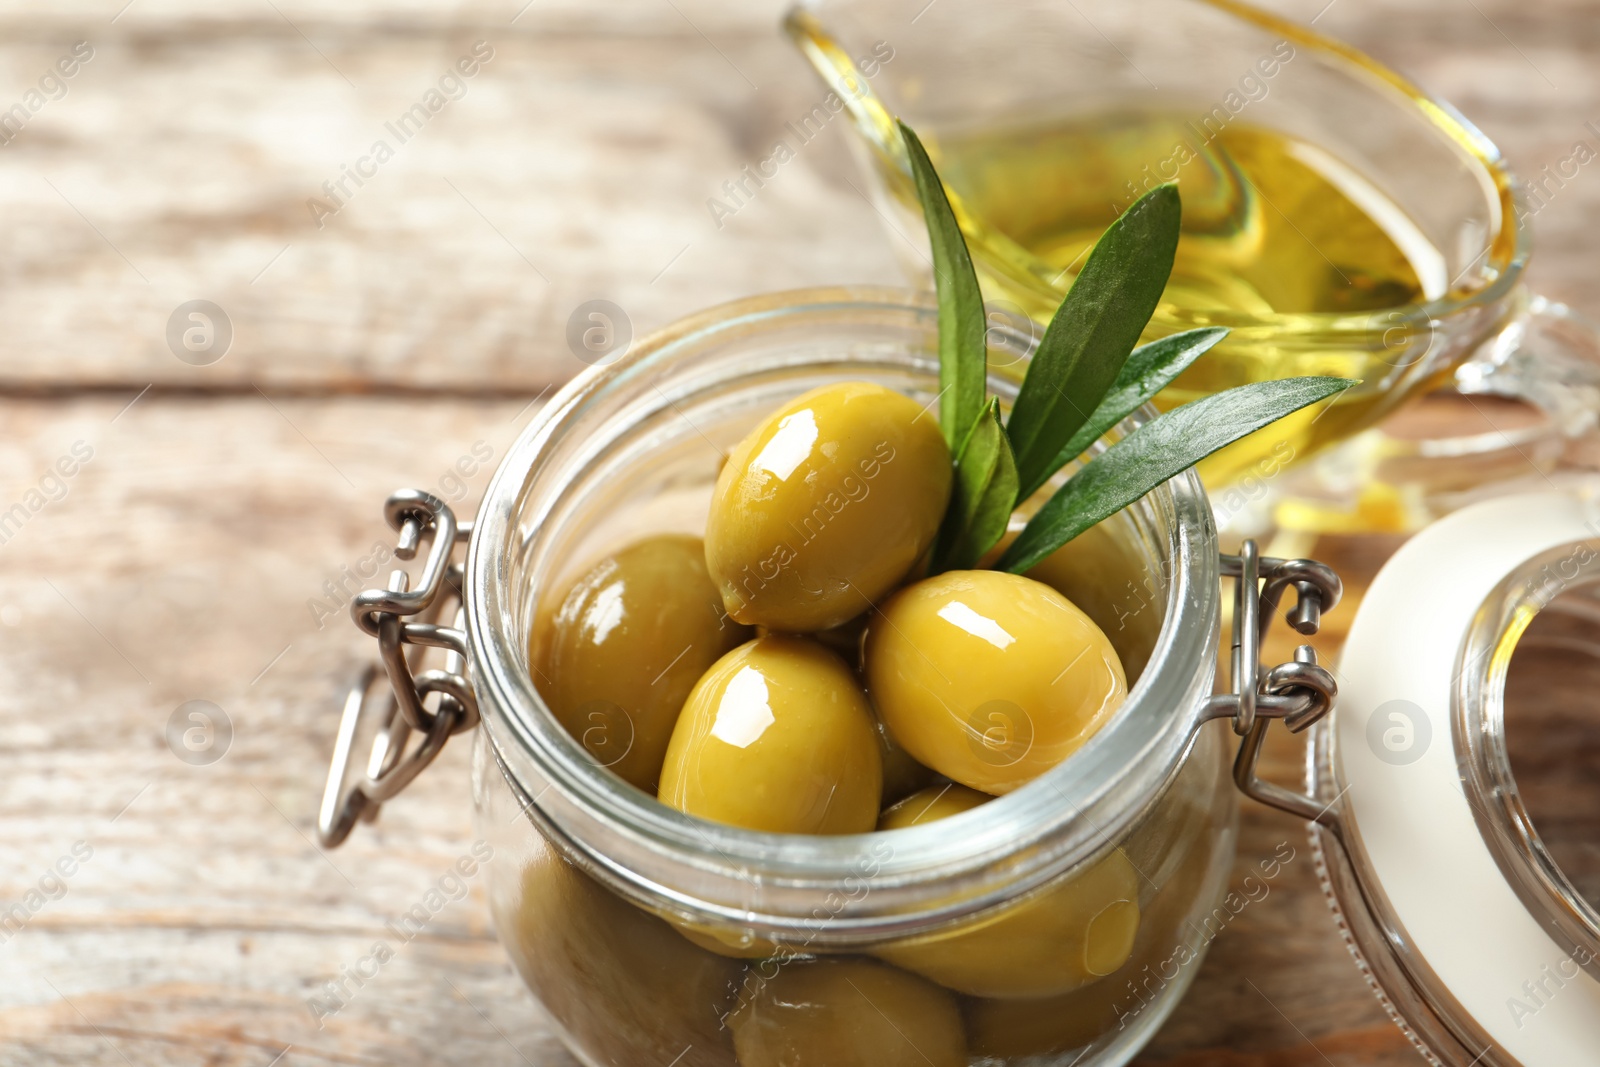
(844, 1013)
(625, 646)
(990, 678)
(777, 736)
(1060, 939)
(825, 506)
(618, 981)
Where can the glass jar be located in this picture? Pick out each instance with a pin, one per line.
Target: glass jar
(1060, 923)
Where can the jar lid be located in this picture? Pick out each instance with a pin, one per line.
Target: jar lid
(1479, 946)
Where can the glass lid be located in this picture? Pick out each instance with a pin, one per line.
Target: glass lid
(1462, 858)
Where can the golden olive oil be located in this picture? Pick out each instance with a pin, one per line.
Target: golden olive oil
(1282, 240)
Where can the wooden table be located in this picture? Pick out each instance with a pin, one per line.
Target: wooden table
(182, 560)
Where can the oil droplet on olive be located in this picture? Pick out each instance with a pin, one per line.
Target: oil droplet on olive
(846, 1013)
(825, 506)
(777, 736)
(626, 645)
(1061, 939)
(990, 678)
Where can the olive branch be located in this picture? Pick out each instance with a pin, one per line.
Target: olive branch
(1085, 377)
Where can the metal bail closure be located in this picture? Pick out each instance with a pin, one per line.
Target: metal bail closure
(388, 715)
(1300, 692)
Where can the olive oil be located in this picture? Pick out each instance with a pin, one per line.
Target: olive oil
(1310, 260)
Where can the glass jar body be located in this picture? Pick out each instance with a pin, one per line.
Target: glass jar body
(623, 985)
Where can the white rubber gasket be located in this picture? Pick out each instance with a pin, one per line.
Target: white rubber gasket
(1414, 832)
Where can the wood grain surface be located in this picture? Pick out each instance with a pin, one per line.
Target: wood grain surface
(180, 560)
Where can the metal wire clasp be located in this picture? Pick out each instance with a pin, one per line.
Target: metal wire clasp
(1299, 692)
(389, 717)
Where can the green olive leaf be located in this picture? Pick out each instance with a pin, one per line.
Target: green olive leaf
(962, 353)
(1165, 446)
(982, 495)
(1084, 378)
(1150, 369)
(1092, 332)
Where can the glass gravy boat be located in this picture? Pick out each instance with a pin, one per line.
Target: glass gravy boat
(1047, 120)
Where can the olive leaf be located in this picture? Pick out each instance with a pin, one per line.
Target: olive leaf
(1092, 332)
(1150, 369)
(962, 354)
(1165, 446)
(982, 494)
(1084, 378)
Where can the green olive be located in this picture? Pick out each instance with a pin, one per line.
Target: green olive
(1060, 939)
(990, 678)
(777, 736)
(823, 508)
(844, 1013)
(620, 982)
(626, 645)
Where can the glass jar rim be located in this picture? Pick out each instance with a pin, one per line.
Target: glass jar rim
(765, 881)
